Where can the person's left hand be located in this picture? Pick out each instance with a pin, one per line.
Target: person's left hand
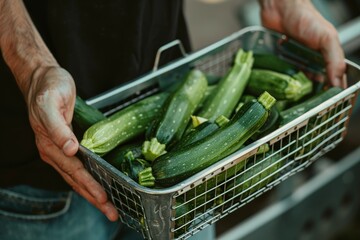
(300, 20)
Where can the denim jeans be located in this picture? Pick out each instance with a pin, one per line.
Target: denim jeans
(29, 213)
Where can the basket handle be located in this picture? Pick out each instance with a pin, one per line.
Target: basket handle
(165, 47)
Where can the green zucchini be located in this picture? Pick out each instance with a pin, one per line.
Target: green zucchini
(281, 86)
(271, 124)
(296, 111)
(85, 115)
(176, 114)
(200, 132)
(257, 174)
(184, 215)
(274, 63)
(229, 89)
(132, 167)
(209, 194)
(124, 125)
(117, 156)
(175, 166)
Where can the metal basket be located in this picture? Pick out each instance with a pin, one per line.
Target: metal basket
(180, 211)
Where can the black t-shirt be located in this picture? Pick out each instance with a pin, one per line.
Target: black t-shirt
(102, 44)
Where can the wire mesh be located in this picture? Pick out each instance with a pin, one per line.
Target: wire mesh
(242, 180)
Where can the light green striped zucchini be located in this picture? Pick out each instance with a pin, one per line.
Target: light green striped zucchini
(229, 89)
(124, 125)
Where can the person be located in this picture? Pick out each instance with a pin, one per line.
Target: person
(53, 50)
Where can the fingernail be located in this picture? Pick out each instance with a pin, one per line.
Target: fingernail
(336, 82)
(110, 212)
(68, 147)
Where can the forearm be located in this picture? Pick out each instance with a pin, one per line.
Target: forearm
(22, 47)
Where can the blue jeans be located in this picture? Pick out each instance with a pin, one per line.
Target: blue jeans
(29, 213)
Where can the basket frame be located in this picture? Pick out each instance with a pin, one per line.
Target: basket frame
(152, 211)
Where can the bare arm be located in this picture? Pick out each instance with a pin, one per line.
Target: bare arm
(21, 45)
(49, 92)
(300, 20)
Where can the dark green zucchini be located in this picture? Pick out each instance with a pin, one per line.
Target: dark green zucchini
(184, 215)
(132, 167)
(271, 124)
(296, 111)
(175, 166)
(257, 174)
(274, 63)
(85, 115)
(117, 156)
(176, 114)
(200, 132)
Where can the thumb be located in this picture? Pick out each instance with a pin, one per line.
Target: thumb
(58, 124)
(71, 146)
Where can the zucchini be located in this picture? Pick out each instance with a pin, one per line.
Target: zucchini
(281, 86)
(257, 174)
(117, 156)
(132, 166)
(175, 166)
(230, 88)
(270, 125)
(124, 125)
(210, 192)
(274, 63)
(200, 132)
(85, 115)
(184, 215)
(176, 114)
(296, 111)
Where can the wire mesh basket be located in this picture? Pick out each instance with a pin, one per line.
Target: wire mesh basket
(180, 211)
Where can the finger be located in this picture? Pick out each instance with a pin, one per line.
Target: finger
(334, 58)
(71, 166)
(270, 17)
(317, 33)
(83, 183)
(107, 208)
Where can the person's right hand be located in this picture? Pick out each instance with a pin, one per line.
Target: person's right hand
(50, 99)
(300, 20)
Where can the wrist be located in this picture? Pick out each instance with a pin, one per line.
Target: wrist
(22, 46)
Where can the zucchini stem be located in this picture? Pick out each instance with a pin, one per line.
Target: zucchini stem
(196, 120)
(266, 100)
(146, 178)
(153, 149)
(263, 149)
(221, 120)
(129, 156)
(306, 84)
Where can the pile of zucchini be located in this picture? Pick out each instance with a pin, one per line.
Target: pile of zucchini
(164, 139)
(168, 137)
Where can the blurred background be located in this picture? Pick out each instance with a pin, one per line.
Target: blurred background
(322, 202)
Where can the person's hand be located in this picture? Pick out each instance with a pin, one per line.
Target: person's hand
(300, 20)
(50, 100)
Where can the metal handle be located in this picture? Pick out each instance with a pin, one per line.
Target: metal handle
(165, 47)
